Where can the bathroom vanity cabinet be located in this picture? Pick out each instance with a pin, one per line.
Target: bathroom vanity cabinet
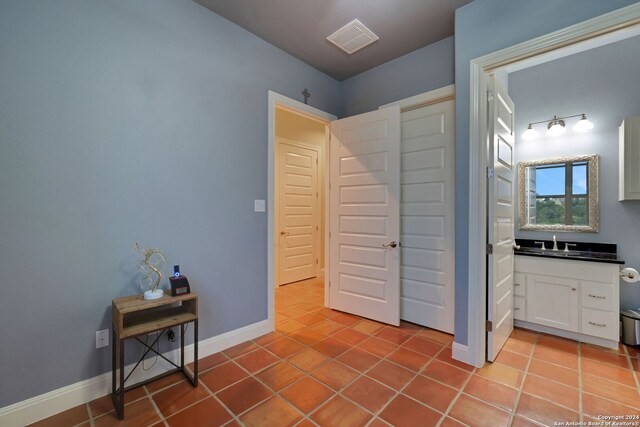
(629, 179)
(570, 298)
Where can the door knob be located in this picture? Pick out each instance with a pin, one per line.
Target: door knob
(390, 245)
(515, 246)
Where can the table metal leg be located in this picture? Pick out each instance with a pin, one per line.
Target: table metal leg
(113, 361)
(120, 408)
(195, 353)
(182, 346)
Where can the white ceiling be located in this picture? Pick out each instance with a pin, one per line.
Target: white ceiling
(300, 27)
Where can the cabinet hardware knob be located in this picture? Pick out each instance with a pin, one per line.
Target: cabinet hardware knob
(516, 284)
(597, 296)
(600, 325)
(573, 289)
(516, 308)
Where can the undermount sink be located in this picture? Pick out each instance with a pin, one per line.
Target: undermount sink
(607, 255)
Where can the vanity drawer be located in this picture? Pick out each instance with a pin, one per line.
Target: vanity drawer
(597, 295)
(519, 308)
(519, 282)
(602, 324)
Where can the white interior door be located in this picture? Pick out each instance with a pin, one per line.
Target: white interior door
(427, 216)
(297, 212)
(364, 215)
(501, 220)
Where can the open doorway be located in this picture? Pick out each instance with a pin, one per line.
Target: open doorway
(299, 196)
(422, 166)
(598, 31)
(300, 129)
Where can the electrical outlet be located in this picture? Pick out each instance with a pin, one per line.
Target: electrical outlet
(102, 338)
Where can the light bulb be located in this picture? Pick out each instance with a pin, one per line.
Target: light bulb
(556, 127)
(529, 134)
(583, 125)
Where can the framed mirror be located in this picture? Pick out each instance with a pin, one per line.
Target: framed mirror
(559, 194)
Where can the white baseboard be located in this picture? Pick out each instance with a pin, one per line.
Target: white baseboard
(48, 404)
(603, 342)
(461, 353)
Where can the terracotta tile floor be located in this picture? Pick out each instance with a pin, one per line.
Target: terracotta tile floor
(322, 367)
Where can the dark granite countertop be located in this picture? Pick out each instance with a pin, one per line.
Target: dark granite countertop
(582, 251)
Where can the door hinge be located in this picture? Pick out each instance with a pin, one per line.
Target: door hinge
(316, 194)
(329, 234)
(317, 261)
(489, 326)
(329, 283)
(317, 228)
(489, 249)
(489, 172)
(316, 161)
(489, 96)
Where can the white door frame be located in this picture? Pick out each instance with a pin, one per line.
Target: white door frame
(435, 96)
(277, 100)
(612, 25)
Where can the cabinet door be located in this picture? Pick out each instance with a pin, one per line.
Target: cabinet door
(552, 301)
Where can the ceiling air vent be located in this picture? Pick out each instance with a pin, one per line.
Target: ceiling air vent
(352, 37)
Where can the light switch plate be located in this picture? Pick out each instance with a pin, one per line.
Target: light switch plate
(259, 205)
(102, 338)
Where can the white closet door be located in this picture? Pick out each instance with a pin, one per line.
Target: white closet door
(364, 214)
(427, 216)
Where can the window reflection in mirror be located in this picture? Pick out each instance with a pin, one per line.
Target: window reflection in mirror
(559, 194)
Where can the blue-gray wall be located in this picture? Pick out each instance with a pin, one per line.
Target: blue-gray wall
(417, 72)
(125, 121)
(603, 83)
(482, 27)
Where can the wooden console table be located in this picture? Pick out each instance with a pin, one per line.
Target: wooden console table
(134, 317)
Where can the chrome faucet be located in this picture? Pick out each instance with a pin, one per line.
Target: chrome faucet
(555, 244)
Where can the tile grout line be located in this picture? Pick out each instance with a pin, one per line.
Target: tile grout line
(149, 396)
(580, 404)
(250, 375)
(385, 358)
(630, 365)
(153, 403)
(514, 409)
(213, 396)
(363, 373)
(457, 396)
(397, 392)
(90, 412)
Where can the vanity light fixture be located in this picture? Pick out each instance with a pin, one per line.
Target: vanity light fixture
(583, 125)
(530, 134)
(556, 126)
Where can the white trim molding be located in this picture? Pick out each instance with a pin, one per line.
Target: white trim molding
(51, 403)
(427, 98)
(607, 25)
